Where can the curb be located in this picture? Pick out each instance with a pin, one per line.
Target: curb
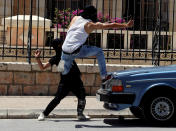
(61, 113)
(29, 107)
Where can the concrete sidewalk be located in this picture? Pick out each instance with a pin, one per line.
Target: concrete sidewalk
(30, 107)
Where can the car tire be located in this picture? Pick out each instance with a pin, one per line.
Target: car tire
(137, 112)
(160, 108)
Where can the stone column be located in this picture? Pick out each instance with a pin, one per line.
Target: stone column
(118, 11)
(149, 44)
(41, 7)
(126, 39)
(99, 5)
(8, 8)
(172, 24)
(171, 15)
(104, 39)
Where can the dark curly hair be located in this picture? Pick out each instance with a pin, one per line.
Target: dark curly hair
(57, 45)
(89, 12)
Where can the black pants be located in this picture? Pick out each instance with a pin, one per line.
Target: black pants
(75, 85)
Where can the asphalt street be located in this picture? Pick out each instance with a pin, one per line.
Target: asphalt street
(70, 124)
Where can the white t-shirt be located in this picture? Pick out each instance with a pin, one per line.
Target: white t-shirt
(76, 35)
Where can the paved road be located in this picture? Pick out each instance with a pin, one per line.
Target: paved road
(106, 124)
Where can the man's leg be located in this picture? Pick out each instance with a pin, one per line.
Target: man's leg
(61, 93)
(87, 51)
(79, 91)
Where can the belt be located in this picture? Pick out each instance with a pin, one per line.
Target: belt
(74, 52)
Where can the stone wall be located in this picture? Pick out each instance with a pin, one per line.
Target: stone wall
(21, 79)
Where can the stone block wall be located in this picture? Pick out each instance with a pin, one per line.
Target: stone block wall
(21, 79)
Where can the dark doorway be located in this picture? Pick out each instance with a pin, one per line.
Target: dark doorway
(146, 13)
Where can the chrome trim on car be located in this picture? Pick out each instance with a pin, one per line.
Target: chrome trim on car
(157, 79)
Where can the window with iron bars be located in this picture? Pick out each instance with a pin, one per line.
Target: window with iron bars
(115, 41)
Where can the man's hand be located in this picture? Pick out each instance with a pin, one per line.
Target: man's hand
(37, 53)
(130, 23)
(37, 56)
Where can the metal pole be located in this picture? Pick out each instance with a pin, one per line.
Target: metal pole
(30, 35)
(158, 63)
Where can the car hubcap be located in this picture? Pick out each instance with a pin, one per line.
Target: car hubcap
(162, 108)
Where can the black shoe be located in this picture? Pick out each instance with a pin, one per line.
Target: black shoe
(108, 78)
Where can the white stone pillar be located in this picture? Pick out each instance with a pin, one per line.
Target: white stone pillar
(104, 40)
(149, 44)
(125, 40)
(174, 41)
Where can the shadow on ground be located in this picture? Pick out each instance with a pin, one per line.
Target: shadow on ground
(125, 123)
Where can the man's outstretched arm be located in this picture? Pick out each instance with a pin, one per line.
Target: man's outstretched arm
(41, 65)
(89, 27)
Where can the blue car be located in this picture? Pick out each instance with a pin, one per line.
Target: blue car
(149, 93)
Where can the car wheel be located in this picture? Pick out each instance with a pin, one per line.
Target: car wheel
(137, 112)
(160, 108)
